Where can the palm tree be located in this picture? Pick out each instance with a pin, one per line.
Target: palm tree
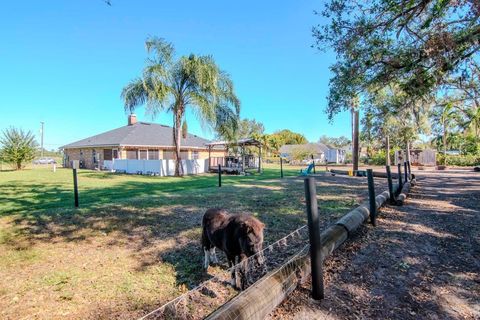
(17, 147)
(173, 85)
(472, 121)
(446, 117)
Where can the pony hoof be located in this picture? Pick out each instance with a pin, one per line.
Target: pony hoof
(235, 285)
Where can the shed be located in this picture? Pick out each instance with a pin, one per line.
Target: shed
(236, 161)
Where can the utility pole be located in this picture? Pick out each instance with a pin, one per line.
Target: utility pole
(41, 139)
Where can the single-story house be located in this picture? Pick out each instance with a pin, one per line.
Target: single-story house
(321, 152)
(141, 147)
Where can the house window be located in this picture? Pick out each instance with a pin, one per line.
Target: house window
(107, 154)
(195, 155)
(94, 156)
(143, 155)
(115, 154)
(153, 154)
(132, 154)
(168, 155)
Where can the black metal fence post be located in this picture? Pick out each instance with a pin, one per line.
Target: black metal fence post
(313, 161)
(219, 175)
(281, 168)
(390, 185)
(400, 183)
(371, 197)
(314, 235)
(75, 187)
(405, 169)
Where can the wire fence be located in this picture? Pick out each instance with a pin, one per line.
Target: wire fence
(248, 302)
(202, 300)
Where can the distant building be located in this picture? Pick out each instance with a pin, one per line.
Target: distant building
(418, 157)
(336, 156)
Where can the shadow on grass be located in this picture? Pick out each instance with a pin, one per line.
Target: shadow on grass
(97, 175)
(167, 227)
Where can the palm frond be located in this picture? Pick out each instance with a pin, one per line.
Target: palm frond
(162, 50)
(207, 89)
(134, 94)
(226, 123)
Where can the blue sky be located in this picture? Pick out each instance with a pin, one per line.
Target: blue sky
(65, 62)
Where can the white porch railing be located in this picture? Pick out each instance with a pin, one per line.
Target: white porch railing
(159, 167)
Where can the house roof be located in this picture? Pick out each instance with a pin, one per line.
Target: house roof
(240, 142)
(317, 147)
(138, 134)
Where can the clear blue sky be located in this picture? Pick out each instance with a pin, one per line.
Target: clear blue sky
(65, 62)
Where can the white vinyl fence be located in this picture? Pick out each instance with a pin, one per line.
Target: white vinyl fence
(158, 167)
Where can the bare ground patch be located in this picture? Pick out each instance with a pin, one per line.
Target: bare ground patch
(420, 262)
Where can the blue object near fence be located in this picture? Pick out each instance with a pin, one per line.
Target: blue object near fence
(306, 172)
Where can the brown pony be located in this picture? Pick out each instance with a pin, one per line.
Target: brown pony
(239, 236)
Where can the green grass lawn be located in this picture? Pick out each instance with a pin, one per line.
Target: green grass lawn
(41, 189)
(135, 241)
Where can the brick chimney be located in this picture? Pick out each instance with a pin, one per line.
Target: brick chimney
(132, 119)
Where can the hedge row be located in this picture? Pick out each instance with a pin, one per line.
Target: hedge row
(452, 160)
(460, 160)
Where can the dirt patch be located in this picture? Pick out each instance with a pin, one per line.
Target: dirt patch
(420, 262)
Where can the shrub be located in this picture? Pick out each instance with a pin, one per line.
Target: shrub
(380, 159)
(348, 158)
(469, 160)
(17, 147)
(364, 160)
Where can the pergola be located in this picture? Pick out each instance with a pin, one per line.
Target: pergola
(242, 143)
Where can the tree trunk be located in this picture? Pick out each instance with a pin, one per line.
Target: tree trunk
(387, 145)
(475, 122)
(177, 135)
(355, 151)
(407, 156)
(444, 144)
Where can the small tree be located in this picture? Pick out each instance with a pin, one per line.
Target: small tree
(302, 152)
(339, 142)
(17, 147)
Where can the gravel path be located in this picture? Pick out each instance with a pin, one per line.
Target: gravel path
(422, 261)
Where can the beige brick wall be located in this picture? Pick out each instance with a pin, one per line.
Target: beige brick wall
(203, 154)
(122, 153)
(86, 154)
